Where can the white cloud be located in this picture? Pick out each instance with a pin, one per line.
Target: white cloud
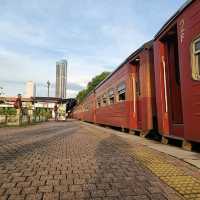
(24, 67)
(94, 36)
(23, 32)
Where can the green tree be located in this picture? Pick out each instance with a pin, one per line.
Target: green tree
(91, 85)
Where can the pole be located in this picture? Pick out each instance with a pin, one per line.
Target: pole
(48, 86)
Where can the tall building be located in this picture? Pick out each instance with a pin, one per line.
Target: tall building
(61, 78)
(30, 89)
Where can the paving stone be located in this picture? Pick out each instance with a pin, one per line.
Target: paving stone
(29, 190)
(37, 196)
(51, 196)
(98, 193)
(75, 188)
(82, 195)
(4, 197)
(8, 185)
(15, 191)
(23, 184)
(38, 182)
(67, 195)
(45, 189)
(19, 179)
(52, 182)
(16, 197)
(61, 188)
(2, 191)
(112, 193)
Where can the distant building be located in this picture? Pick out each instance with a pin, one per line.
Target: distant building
(30, 89)
(61, 78)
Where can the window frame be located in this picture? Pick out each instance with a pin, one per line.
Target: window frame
(86, 107)
(104, 97)
(119, 91)
(194, 57)
(99, 102)
(111, 95)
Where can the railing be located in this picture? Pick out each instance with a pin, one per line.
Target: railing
(20, 119)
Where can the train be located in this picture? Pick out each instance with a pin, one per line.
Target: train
(157, 87)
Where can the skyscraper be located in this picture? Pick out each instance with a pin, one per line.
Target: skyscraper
(61, 78)
(30, 89)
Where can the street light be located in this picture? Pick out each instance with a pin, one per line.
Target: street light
(48, 86)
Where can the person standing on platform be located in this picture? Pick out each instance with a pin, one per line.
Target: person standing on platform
(18, 104)
(18, 107)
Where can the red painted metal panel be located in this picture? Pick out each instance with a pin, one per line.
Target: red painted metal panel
(170, 121)
(137, 111)
(188, 31)
(117, 114)
(114, 115)
(147, 90)
(160, 83)
(143, 96)
(86, 110)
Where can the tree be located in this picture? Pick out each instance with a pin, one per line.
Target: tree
(91, 85)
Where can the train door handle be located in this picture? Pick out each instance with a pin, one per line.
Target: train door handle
(134, 93)
(165, 83)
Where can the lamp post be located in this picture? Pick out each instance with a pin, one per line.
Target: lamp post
(48, 86)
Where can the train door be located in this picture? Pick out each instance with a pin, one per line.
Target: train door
(173, 83)
(138, 93)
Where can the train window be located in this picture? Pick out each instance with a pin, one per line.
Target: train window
(121, 92)
(86, 107)
(111, 96)
(196, 59)
(98, 102)
(104, 98)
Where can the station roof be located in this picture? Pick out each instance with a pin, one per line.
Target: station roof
(12, 99)
(37, 99)
(49, 99)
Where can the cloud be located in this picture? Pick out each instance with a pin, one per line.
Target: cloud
(23, 32)
(94, 36)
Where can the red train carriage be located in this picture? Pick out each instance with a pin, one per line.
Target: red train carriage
(78, 112)
(177, 74)
(89, 108)
(85, 111)
(125, 98)
(113, 99)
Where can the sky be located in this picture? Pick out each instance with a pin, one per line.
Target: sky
(93, 35)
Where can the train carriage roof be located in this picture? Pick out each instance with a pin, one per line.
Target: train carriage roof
(127, 60)
(171, 19)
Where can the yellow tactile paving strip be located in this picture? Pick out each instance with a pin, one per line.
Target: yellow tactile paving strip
(187, 186)
(165, 170)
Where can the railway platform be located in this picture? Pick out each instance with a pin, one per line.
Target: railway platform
(76, 160)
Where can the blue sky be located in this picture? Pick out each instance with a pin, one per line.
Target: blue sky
(93, 35)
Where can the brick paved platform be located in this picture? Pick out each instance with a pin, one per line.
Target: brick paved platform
(70, 160)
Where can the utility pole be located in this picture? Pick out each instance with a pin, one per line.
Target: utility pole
(48, 86)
